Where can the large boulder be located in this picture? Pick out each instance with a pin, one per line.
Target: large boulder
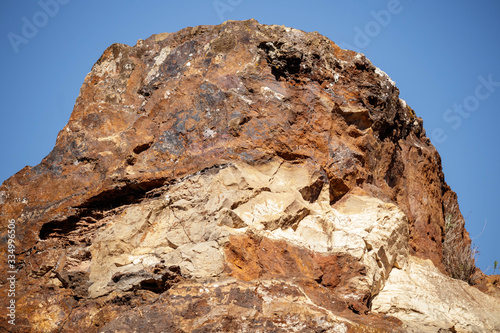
(239, 177)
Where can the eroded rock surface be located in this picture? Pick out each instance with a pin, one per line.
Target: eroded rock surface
(428, 301)
(238, 209)
(234, 178)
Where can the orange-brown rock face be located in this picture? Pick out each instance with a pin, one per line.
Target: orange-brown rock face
(207, 180)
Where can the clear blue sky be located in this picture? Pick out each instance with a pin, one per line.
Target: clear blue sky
(440, 53)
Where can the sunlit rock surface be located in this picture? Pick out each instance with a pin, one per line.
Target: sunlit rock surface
(237, 178)
(427, 301)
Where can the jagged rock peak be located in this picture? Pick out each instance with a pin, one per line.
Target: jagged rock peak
(239, 177)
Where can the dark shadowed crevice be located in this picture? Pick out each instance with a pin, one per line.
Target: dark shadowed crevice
(285, 63)
(337, 190)
(120, 196)
(157, 280)
(395, 169)
(57, 228)
(110, 199)
(311, 193)
(104, 201)
(290, 156)
(147, 91)
(141, 148)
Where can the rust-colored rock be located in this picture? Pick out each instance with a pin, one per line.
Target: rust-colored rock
(144, 212)
(489, 284)
(250, 259)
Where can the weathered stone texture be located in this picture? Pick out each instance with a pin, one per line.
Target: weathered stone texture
(427, 301)
(232, 178)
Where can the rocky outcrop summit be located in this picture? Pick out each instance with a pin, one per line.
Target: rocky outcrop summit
(238, 178)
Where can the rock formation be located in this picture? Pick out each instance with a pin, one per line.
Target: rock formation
(237, 178)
